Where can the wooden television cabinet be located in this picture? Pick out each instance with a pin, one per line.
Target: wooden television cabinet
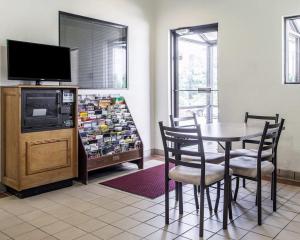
(36, 161)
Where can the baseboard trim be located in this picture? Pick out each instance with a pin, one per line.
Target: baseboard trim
(157, 152)
(284, 176)
(41, 189)
(291, 176)
(2, 188)
(284, 181)
(147, 153)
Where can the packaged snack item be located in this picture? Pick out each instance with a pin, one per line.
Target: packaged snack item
(104, 128)
(83, 114)
(120, 100)
(104, 103)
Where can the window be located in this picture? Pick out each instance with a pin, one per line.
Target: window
(292, 50)
(101, 51)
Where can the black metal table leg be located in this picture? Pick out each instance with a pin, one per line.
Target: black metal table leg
(226, 184)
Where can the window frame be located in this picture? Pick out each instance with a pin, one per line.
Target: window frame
(173, 63)
(107, 23)
(286, 54)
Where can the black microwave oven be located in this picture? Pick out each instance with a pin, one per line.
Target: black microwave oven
(47, 109)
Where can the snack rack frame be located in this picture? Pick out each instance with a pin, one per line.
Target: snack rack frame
(107, 134)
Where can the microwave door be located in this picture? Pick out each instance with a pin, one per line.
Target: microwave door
(40, 109)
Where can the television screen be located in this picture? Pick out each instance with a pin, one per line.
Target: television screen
(31, 61)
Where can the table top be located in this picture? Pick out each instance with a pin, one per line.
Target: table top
(230, 132)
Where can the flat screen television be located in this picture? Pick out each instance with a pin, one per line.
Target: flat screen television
(38, 62)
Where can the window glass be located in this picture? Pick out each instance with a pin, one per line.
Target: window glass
(101, 51)
(292, 50)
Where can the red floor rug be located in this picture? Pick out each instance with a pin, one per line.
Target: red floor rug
(148, 183)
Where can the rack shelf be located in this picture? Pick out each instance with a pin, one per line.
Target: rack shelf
(107, 134)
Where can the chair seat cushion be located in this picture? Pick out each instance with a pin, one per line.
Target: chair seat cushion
(247, 166)
(249, 153)
(213, 174)
(210, 157)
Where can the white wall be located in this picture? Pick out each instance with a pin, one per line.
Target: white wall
(37, 21)
(250, 54)
(250, 62)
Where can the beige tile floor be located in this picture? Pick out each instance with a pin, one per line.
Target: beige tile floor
(91, 212)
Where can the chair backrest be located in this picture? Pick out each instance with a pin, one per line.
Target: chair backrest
(180, 121)
(270, 137)
(248, 116)
(261, 117)
(174, 137)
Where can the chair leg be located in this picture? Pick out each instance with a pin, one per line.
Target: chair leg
(208, 199)
(201, 227)
(230, 199)
(180, 198)
(166, 201)
(256, 199)
(218, 196)
(196, 197)
(244, 183)
(259, 201)
(237, 185)
(274, 185)
(176, 191)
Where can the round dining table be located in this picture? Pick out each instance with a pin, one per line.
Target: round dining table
(227, 133)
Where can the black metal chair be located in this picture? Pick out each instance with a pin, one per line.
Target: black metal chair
(210, 157)
(203, 175)
(253, 168)
(252, 152)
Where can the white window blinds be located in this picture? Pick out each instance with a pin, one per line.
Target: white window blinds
(101, 51)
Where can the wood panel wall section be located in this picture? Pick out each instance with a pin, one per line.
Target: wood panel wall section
(34, 159)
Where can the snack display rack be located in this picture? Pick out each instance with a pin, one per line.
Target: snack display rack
(107, 134)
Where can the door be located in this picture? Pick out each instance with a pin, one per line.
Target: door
(194, 81)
